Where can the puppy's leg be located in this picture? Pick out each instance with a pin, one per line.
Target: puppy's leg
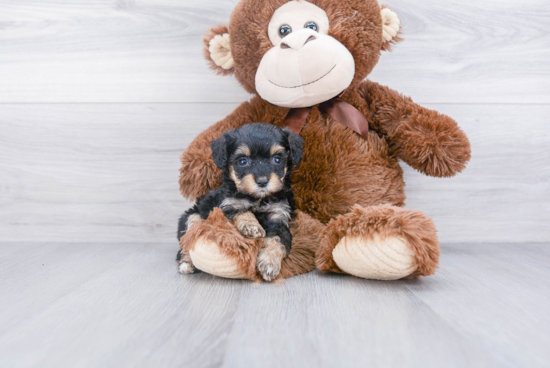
(248, 225)
(185, 265)
(276, 245)
(270, 258)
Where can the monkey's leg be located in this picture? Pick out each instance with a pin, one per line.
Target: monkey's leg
(381, 242)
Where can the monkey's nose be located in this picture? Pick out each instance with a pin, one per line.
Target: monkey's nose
(311, 38)
(262, 182)
(297, 40)
(285, 46)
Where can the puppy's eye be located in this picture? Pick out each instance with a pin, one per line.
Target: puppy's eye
(243, 161)
(285, 30)
(276, 160)
(311, 25)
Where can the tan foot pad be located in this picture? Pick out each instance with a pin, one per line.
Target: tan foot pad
(374, 258)
(207, 257)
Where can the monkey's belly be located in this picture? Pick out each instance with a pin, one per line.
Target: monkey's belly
(340, 169)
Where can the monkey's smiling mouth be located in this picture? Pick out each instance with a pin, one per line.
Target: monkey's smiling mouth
(305, 84)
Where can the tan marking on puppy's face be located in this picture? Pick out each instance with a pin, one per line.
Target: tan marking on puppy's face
(275, 183)
(245, 185)
(242, 150)
(248, 185)
(233, 176)
(276, 148)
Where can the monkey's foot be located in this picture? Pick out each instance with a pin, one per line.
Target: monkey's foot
(380, 242)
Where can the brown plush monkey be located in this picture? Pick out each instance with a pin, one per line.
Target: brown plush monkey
(307, 62)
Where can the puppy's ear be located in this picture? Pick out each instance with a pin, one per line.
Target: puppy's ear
(219, 152)
(296, 144)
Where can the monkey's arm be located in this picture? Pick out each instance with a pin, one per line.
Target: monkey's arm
(430, 142)
(198, 172)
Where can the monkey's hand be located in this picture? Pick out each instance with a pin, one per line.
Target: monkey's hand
(430, 142)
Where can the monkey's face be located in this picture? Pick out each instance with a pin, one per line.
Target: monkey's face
(305, 66)
(299, 53)
(258, 157)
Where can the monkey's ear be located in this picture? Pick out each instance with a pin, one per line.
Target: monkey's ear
(217, 50)
(296, 144)
(391, 28)
(219, 152)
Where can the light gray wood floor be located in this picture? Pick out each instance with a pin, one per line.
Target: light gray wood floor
(106, 305)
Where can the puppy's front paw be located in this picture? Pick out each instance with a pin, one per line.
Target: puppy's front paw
(252, 231)
(267, 268)
(270, 258)
(248, 225)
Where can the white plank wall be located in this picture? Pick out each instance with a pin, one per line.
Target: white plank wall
(99, 98)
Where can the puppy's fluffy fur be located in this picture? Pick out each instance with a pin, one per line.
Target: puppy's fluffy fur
(256, 193)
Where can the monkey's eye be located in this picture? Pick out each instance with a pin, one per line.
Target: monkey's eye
(285, 30)
(311, 25)
(276, 160)
(243, 161)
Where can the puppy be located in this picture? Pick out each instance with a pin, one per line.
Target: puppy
(256, 194)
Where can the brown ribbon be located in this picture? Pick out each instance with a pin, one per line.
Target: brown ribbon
(343, 112)
(296, 119)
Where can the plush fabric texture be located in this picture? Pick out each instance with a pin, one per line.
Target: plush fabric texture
(304, 76)
(428, 141)
(207, 256)
(296, 14)
(216, 246)
(377, 223)
(356, 24)
(351, 185)
(219, 230)
(311, 68)
(218, 31)
(390, 20)
(306, 237)
(376, 258)
(220, 52)
(391, 24)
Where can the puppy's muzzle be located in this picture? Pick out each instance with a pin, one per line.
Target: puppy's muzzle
(262, 182)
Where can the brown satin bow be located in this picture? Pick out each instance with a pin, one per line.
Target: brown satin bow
(343, 112)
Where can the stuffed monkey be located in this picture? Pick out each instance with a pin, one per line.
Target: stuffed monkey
(306, 63)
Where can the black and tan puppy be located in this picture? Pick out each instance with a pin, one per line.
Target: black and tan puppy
(255, 193)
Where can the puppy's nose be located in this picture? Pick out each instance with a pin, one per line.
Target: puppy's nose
(262, 182)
